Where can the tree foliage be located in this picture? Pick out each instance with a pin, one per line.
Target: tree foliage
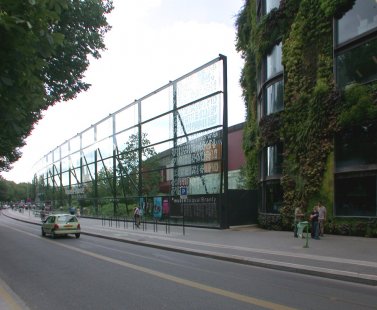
(10, 191)
(44, 51)
(130, 166)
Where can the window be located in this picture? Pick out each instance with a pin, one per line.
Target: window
(356, 196)
(270, 78)
(274, 98)
(272, 196)
(270, 5)
(274, 159)
(273, 62)
(266, 6)
(356, 146)
(360, 19)
(357, 65)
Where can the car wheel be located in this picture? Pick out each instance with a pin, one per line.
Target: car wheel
(43, 232)
(77, 236)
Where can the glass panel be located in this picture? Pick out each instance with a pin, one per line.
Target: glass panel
(128, 163)
(105, 147)
(356, 146)
(88, 155)
(103, 167)
(65, 164)
(126, 118)
(361, 18)
(157, 104)
(64, 149)
(259, 109)
(65, 178)
(157, 130)
(274, 65)
(56, 155)
(126, 139)
(105, 129)
(88, 172)
(75, 176)
(57, 180)
(199, 116)
(74, 144)
(75, 159)
(87, 137)
(274, 159)
(271, 4)
(151, 177)
(273, 197)
(200, 84)
(274, 98)
(357, 65)
(356, 196)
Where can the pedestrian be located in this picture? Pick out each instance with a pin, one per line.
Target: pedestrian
(299, 216)
(321, 218)
(314, 219)
(137, 217)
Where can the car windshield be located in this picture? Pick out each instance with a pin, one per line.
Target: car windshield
(66, 219)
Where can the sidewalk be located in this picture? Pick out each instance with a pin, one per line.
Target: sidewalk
(344, 258)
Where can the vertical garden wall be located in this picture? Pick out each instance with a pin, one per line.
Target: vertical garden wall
(312, 110)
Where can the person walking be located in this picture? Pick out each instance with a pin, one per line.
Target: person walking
(321, 218)
(137, 217)
(299, 216)
(314, 219)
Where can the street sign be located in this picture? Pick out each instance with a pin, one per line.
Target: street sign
(183, 192)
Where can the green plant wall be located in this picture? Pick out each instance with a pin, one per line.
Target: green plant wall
(314, 109)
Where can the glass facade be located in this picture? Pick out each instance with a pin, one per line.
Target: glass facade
(149, 149)
(356, 196)
(274, 64)
(273, 160)
(274, 98)
(357, 65)
(271, 197)
(356, 171)
(266, 6)
(357, 21)
(270, 100)
(356, 44)
(356, 146)
(270, 5)
(270, 84)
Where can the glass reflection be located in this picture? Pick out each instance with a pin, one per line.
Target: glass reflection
(360, 19)
(274, 65)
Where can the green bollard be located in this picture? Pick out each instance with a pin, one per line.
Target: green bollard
(307, 236)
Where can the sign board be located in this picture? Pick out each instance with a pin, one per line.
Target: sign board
(183, 192)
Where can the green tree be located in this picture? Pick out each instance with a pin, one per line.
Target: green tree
(44, 51)
(129, 166)
(10, 191)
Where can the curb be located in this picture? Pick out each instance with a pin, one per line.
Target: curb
(264, 263)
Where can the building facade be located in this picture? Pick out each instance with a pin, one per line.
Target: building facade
(310, 89)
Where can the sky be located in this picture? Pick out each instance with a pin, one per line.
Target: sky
(151, 43)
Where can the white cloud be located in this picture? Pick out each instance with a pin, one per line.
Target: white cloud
(144, 52)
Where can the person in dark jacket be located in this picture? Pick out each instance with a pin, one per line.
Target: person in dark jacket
(314, 219)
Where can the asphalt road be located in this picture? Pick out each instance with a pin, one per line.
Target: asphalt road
(92, 273)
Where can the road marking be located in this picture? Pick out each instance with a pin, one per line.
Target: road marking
(8, 300)
(161, 275)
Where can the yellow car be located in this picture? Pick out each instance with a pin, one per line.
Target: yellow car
(61, 225)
